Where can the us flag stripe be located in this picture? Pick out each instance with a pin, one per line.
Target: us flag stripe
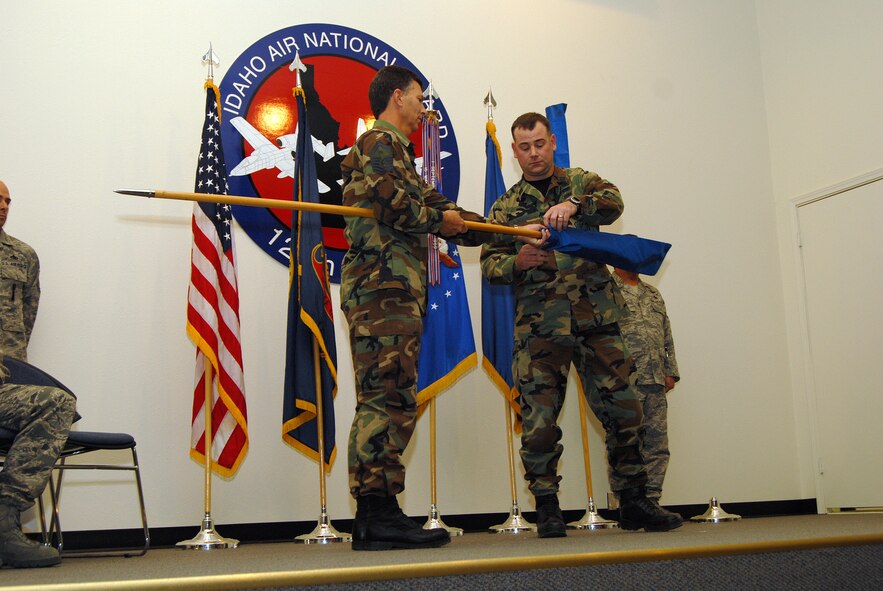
(213, 309)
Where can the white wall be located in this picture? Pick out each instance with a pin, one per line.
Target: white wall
(821, 64)
(666, 99)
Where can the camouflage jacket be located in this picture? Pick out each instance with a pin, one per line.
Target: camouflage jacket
(647, 333)
(390, 250)
(19, 294)
(579, 290)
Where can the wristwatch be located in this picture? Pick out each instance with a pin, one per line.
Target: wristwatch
(575, 200)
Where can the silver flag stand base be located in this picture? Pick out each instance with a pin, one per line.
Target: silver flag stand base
(591, 520)
(435, 522)
(323, 534)
(208, 538)
(715, 514)
(514, 525)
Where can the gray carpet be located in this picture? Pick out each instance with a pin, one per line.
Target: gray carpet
(840, 568)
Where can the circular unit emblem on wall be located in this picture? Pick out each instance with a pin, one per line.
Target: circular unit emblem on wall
(260, 125)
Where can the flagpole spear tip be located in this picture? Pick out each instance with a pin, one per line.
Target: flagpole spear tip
(297, 66)
(491, 103)
(210, 59)
(431, 94)
(136, 192)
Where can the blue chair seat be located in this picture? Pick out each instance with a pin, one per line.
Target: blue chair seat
(92, 440)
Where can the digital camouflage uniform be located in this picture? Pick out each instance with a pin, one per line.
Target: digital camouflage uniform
(647, 333)
(383, 296)
(563, 316)
(19, 295)
(42, 415)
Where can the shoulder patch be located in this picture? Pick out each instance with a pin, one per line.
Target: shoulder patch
(381, 158)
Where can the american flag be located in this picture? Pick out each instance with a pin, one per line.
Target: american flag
(213, 308)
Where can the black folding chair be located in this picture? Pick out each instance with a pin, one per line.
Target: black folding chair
(78, 443)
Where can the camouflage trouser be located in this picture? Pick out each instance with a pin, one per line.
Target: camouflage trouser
(385, 336)
(42, 415)
(654, 442)
(540, 367)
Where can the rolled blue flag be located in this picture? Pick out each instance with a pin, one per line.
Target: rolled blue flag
(558, 122)
(631, 253)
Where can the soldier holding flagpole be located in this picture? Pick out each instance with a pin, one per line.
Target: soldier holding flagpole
(383, 295)
(566, 311)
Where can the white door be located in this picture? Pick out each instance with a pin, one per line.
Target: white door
(841, 239)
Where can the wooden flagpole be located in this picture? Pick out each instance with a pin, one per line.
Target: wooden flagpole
(208, 538)
(342, 210)
(324, 532)
(207, 435)
(515, 523)
(591, 520)
(585, 438)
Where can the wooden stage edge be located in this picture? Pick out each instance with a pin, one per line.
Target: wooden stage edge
(447, 568)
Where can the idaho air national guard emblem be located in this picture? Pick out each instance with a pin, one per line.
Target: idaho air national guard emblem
(259, 129)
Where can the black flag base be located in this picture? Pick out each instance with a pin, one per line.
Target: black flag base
(208, 538)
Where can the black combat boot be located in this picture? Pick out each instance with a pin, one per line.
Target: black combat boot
(550, 522)
(16, 549)
(636, 511)
(381, 525)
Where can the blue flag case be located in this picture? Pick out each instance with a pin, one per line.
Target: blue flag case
(631, 253)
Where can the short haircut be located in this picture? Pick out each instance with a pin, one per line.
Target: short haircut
(387, 80)
(528, 121)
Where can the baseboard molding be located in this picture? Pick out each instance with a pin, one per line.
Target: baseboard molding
(166, 537)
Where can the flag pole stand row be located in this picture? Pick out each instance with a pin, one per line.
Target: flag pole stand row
(208, 538)
(435, 520)
(516, 523)
(324, 533)
(591, 520)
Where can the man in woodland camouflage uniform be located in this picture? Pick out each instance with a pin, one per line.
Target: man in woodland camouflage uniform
(383, 295)
(566, 311)
(40, 415)
(647, 333)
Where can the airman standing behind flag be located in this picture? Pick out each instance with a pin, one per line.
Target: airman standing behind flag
(566, 311)
(383, 295)
(647, 333)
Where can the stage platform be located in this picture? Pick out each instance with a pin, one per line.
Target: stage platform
(805, 543)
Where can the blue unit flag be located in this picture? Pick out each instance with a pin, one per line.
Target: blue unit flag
(309, 316)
